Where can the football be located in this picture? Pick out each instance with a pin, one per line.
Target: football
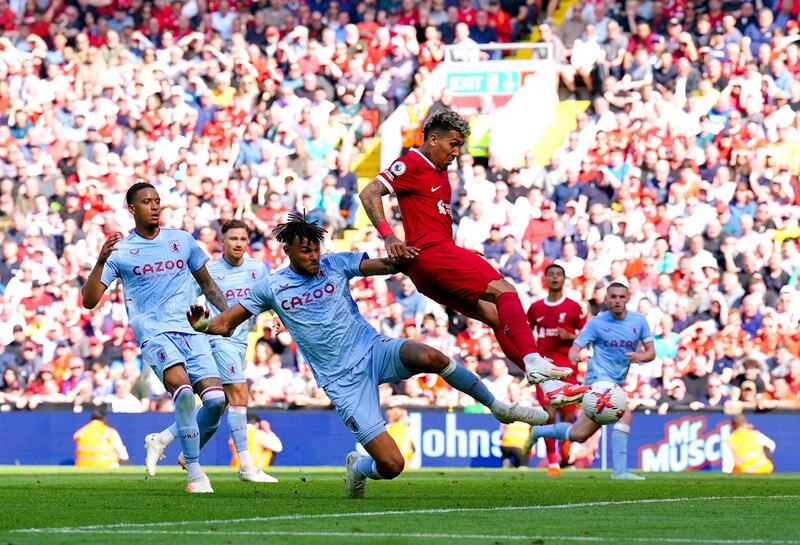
(605, 402)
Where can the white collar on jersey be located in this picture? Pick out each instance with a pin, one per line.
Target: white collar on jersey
(423, 156)
(554, 303)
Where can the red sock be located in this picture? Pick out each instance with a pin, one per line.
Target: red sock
(509, 348)
(550, 445)
(514, 322)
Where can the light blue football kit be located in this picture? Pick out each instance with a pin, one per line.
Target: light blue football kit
(611, 339)
(235, 284)
(347, 356)
(156, 276)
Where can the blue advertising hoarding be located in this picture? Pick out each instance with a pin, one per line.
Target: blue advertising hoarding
(676, 442)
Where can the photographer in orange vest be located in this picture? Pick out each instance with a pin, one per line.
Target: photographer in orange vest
(746, 450)
(98, 445)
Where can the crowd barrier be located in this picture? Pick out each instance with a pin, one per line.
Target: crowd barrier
(676, 442)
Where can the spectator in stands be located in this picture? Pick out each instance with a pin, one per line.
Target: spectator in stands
(688, 150)
(122, 400)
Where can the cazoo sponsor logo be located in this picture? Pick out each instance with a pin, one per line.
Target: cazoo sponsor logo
(685, 446)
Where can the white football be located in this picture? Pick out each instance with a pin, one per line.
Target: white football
(605, 402)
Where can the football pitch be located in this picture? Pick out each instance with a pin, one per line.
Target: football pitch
(51, 505)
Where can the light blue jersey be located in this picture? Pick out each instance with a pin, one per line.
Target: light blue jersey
(156, 276)
(235, 284)
(611, 339)
(320, 313)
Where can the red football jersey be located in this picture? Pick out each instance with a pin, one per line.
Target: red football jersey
(546, 318)
(423, 193)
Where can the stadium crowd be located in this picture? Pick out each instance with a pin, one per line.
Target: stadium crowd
(681, 177)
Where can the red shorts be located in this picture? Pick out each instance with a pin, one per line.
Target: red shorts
(451, 276)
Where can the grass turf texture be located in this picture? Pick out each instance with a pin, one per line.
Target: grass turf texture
(666, 508)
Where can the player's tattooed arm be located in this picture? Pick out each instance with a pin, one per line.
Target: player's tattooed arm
(372, 200)
(223, 324)
(210, 289)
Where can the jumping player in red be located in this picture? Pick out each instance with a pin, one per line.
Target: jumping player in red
(448, 274)
(556, 320)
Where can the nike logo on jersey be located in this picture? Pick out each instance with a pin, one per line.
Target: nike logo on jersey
(435, 189)
(219, 277)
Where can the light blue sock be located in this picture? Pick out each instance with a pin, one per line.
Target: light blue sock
(186, 423)
(460, 378)
(210, 414)
(365, 466)
(556, 431)
(237, 422)
(619, 447)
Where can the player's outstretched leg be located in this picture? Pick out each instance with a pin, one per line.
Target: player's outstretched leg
(583, 428)
(384, 462)
(514, 323)
(507, 318)
(420, 358)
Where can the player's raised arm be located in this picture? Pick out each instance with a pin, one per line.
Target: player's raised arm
(372, 200)
(210, 289)
(223, 324)
(95, 287)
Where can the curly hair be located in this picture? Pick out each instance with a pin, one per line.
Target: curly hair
(445, 121)
(298, 226)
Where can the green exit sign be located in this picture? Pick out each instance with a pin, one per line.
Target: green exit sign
(479, 83)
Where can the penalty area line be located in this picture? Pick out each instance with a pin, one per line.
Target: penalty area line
(434, 511)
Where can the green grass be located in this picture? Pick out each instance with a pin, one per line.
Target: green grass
(700, 508)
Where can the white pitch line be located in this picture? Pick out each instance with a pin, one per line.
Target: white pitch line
(419, 535)
(440, 511)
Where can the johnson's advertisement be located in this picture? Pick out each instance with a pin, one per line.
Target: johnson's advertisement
(677, 442)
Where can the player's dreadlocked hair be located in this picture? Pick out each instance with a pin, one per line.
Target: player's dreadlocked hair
(445, 121)
(298, 226)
